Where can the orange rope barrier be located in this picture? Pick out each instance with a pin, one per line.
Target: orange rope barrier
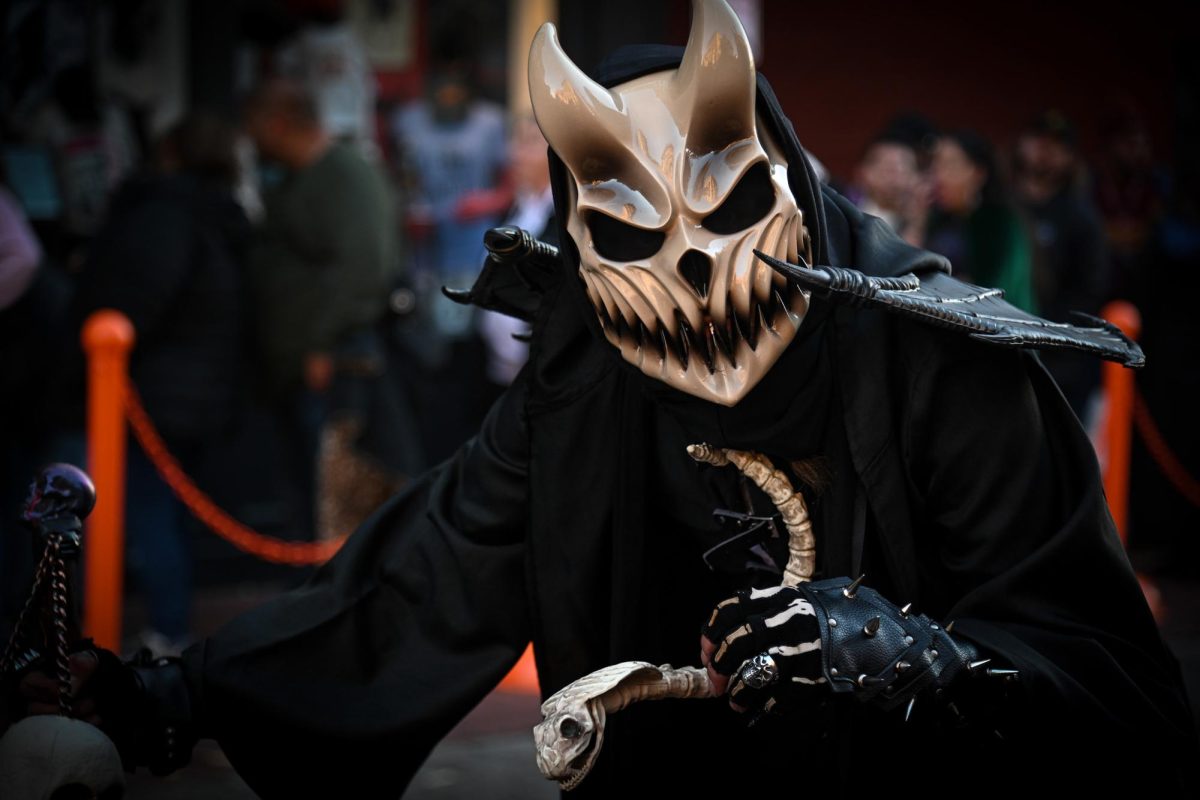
(204, 509)
(1164, 458)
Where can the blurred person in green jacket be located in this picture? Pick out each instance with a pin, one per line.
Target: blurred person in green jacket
(973, 223)
(324, 260)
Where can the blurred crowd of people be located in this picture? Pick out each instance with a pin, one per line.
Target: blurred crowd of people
(291, 261)
(283, 263)
(1032, 218)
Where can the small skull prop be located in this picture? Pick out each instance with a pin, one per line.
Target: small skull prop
(60, 489)
(58, 758)
(674, 186)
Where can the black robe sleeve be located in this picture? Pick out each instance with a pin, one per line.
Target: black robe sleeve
(1026, 553)
(342, 686)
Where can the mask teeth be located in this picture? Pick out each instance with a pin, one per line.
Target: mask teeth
(649, 341)
(792, 292)
(781, 249)
(762, 321)
(728, 340)
(684, 340)
(622, 329)
(762, 276)
(715, 342)
(708, 350)
(745, 329)
(766, 316)
(778, 305)
(688, 341)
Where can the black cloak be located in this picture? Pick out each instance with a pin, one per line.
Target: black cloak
(960, 481)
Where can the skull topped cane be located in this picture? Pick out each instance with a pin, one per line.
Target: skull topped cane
(41, 756)
(59, 500)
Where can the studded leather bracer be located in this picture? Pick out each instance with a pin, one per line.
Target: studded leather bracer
(884, 654)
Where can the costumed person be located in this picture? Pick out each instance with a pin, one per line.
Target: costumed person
(947, 470)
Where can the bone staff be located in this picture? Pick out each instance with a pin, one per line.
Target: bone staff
(570, 736)
(802, 552)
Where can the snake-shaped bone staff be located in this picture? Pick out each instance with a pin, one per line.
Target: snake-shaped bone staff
(569, 737)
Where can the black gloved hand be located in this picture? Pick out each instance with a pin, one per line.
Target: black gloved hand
(37, 688)
(142, 705)
(837, 632)
(764, 645)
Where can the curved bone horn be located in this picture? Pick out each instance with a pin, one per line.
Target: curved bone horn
(579, 117)
(718, 68)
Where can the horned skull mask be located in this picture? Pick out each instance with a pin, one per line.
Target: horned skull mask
(674, 185)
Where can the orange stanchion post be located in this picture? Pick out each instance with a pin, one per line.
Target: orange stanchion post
(108, 338)
(1118, 427)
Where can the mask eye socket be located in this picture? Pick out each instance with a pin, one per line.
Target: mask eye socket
(749, 202)
(618, 241)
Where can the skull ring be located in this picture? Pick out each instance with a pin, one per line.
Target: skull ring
(759, 671)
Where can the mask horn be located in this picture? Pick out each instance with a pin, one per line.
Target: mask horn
(718, 71)
(579, 118)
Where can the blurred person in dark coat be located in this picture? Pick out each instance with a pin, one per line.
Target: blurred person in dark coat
(169, 257)
(1073, 270)
(322, 267)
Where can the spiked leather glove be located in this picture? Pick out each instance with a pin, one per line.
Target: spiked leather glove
(770, 642)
